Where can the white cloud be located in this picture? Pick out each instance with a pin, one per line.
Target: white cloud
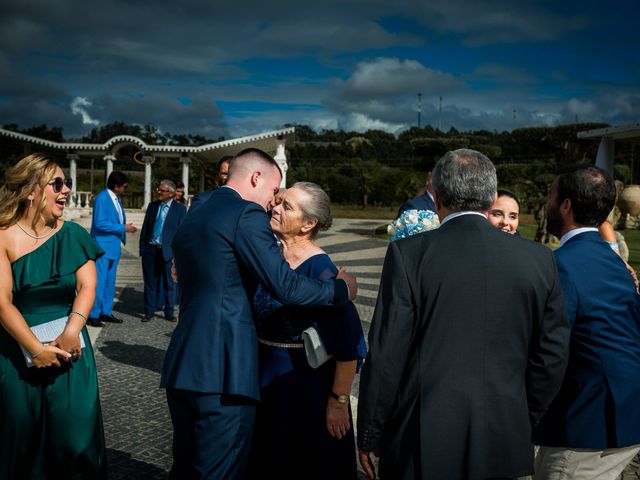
(79, 106)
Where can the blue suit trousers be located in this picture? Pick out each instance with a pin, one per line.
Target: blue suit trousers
(106, 269)
(159, 289)
(211, 434)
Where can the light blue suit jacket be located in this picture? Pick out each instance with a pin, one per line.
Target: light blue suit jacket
(105, 225)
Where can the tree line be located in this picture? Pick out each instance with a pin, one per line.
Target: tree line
(375, 167)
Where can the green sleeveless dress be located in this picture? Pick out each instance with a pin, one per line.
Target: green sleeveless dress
(50, 418)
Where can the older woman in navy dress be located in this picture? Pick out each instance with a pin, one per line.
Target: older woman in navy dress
(304, 422)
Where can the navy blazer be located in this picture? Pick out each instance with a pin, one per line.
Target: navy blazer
(175, 215)
(421, 202)
(200, 198)
(597, 406)
(222, 249)
(105, 225)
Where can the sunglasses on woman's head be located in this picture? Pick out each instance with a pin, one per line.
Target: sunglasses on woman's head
(60, 182)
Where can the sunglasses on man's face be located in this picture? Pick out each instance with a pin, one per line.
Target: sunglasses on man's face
(60, 182)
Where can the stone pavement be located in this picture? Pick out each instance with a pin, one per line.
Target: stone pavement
(129, 356)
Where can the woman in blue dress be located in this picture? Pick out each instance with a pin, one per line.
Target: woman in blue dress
(304, 426)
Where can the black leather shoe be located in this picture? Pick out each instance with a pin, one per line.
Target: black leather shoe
(147, 318)
(110, 318)
(170, 318)
(94, 322)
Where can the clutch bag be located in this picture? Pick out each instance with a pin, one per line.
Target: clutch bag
(314, 349)
(47, 332)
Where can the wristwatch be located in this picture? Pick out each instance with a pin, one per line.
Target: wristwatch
(340, 398)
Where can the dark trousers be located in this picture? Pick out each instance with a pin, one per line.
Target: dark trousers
(211, 434)
(159, 288)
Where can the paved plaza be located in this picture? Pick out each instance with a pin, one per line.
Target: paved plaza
(129, 356)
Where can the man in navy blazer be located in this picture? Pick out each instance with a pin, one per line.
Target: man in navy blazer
(222, 250)
(158, 229)
(221, 179)
(592, 428)
(109, 228)
(421, 202)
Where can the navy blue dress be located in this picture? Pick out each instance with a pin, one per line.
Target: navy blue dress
(291, 439)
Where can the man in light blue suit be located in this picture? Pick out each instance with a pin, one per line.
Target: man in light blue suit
(592, 428)
(109, 227)
(222, 250)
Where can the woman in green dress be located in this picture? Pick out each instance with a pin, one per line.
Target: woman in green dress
(50, 418)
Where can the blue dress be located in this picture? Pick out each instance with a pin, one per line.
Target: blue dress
(291, 439)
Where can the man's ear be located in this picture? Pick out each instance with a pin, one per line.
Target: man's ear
(254, 178)
(436, 200)
(565, 207)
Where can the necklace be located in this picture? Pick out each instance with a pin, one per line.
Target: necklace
(35, 237)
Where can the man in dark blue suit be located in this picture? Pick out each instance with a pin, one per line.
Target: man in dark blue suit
(222, 250)
(592, 428)
(421, 202)
(221, 179)
(158, 229)
(109, 227)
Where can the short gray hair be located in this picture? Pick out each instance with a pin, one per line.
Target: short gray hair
(318, 207)
(170, 184)
(465, 180)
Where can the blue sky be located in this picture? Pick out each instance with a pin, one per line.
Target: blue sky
(244, 67)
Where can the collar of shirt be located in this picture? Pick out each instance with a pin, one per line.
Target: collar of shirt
(113, 196)
(451, 216)
(576, 231)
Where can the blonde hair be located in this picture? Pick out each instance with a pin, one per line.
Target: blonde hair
(21, 180)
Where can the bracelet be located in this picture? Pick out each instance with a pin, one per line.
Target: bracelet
(80, 315)
(41, 350)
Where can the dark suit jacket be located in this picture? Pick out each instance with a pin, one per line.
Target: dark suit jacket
(200, 198)
(175, 215)
(421, 202)
(105, 225)
(599, 403)
(467, 347)
(222, 249)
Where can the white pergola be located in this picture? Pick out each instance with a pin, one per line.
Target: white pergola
(273, 142)
(608, 136)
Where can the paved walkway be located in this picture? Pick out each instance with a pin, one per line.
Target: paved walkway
(129, 356)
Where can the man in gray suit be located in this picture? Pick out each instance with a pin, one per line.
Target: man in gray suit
(468, 342)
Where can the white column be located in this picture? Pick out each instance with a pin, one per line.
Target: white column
(148, 160)
(73, 159)
(185, 173)
(606, 151)
(203, 174)
(109, 159)
(281, 159)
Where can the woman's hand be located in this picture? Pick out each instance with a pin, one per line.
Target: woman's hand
(69, 341)
(337, 418)
(50, 356)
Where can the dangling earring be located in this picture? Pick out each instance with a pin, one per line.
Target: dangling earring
(31, 203)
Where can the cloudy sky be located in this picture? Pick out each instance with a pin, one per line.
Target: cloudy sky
(241, 67)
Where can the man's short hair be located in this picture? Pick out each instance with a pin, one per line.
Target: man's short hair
(226, 158)
(592, 193)
(169, 183)
(465, 180)
(116, 179)
(255, 153)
